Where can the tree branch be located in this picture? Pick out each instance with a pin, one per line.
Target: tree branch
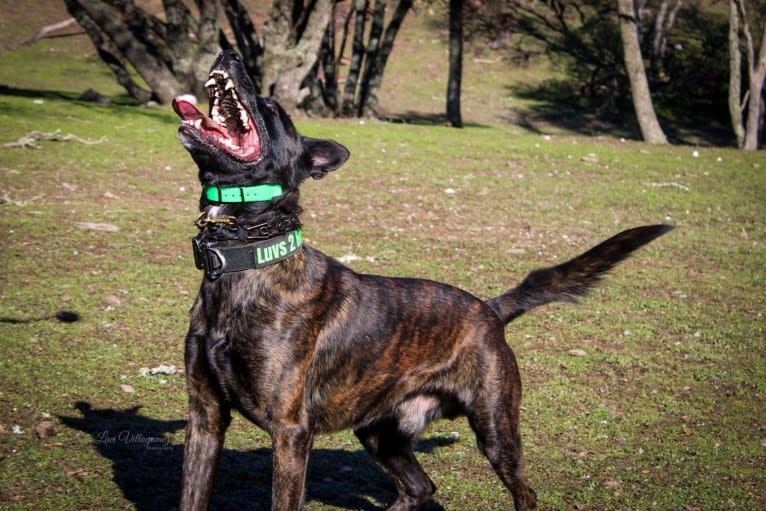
(247, 38)
(107, 53)
(158, 77)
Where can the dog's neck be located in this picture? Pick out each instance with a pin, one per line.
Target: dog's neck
(249, 235)
(257, 219)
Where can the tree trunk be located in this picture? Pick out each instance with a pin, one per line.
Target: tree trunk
(290, 56)
(208, 46)
(328, 66)
(663, 22)
(192, 58)
(162, 82)
(756, 76)
(173, 57)
(754, 111)
(735, 75)
(246, 37)
(455, 63)
(357, 56)
(639, 86)
(108, 54)
(373, 76)
(371, 54)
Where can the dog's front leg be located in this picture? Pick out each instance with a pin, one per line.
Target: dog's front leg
(209, 417)
(291, 446)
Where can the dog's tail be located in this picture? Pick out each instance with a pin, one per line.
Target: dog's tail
(567, 281)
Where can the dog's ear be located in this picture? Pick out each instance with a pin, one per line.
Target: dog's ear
(322, 156)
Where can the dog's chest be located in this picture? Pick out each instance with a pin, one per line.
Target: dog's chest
(255, 352)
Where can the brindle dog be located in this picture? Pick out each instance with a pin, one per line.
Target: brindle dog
(306, 345)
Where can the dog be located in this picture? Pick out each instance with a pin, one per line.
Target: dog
(300, 344)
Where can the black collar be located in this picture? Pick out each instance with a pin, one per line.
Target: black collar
(217, 260)
(225, 228)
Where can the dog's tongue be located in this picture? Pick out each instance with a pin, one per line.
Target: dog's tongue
(188, 111)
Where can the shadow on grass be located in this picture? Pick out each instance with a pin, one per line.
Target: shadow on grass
(424, 119)
(120, 103)
(146, 466)
(121, 100)
(556, 106)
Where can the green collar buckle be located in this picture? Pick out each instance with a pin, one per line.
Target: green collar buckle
(266, 192)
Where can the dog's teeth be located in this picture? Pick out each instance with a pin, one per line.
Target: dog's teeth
(230, 144)
(244, 118)
(210, 83)
(229, 85)
(215, 114)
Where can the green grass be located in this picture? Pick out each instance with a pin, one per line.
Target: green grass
(665, 410)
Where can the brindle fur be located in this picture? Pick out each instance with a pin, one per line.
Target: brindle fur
(307, 345)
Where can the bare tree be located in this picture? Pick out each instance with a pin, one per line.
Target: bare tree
(455, 62)
(293, 57)
(357, 55)
(246, 37)
(171, 56)
(747, 131)
(663, 22)
(639, 85)
(379, 47)
(292, 39)
(735, 75)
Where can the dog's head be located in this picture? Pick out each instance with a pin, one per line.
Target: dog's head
(246, 139)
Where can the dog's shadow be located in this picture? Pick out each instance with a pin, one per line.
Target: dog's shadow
(146, 467)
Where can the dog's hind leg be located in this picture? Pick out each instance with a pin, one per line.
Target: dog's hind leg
(208, 419)
(392, 449)
(494, 417)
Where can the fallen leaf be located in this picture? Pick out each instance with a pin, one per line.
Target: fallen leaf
(91, 226)
(113, 299)
(590, 158)
(46, 429)
(577, 353)
(348, 258)
(128, 389)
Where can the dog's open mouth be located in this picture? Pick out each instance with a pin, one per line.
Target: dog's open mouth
(229, 125)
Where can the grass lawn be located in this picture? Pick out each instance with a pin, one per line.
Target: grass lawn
(650, 394)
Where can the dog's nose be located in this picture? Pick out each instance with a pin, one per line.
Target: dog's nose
(225, 58)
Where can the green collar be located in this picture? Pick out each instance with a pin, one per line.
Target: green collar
(266, 192)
